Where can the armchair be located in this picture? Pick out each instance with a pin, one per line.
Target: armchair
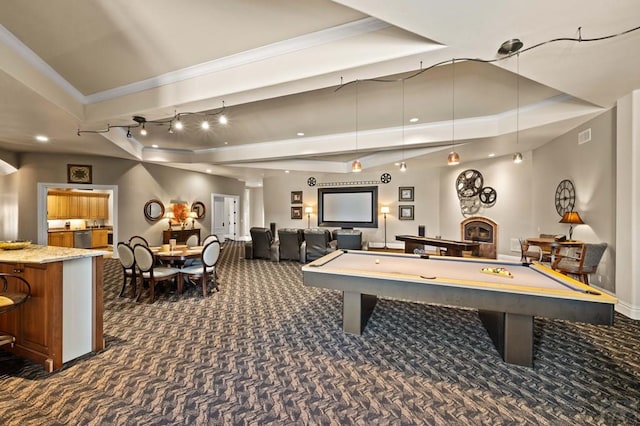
(586, 263)
(317, 243)
(348, 239)
(262, 245)
(291, 244)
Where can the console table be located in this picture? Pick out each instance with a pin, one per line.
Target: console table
(180, 235)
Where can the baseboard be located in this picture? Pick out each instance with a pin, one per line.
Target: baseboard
(628, 310)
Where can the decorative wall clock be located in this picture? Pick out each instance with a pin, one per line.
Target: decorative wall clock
(565, 197)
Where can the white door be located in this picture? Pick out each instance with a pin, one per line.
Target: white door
(219, 218)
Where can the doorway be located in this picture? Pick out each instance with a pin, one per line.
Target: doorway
(43, 189)
(224, 219)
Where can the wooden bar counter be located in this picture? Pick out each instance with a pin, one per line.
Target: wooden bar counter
(63, 319)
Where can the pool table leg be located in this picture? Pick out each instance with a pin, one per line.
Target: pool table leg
(356, 310)
(512, 335)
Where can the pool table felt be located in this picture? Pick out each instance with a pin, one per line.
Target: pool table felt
(461, 271)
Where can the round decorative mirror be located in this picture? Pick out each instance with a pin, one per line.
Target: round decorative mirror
(154, 210)
(198, 208)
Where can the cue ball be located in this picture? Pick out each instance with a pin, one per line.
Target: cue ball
(377, 261)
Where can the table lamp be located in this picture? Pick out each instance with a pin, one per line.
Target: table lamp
(572, 218)
(193, 216)
(169, 216)
(308, 210)
(384, 210)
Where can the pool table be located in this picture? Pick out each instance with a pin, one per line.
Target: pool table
(506, 304)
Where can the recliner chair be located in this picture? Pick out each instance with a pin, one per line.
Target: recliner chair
(262, 245)
(317, 243)
(291, 244)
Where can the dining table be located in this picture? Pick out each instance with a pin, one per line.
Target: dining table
(178, 255)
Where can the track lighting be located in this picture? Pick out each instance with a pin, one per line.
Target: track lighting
(172, 123)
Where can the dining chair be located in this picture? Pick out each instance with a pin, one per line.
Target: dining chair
(209, 238)
(151, 274)
(11, 297)
(528, 252)
(586, 263)
(128, 263)
(206, 272)
(136, 239)
(192, 241)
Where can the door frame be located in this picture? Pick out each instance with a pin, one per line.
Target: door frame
(43, 189)
(236, 199)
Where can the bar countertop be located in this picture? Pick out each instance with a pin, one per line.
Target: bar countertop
(46, 254)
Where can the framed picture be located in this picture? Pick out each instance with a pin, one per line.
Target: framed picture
(405, 212)
(296, 197)
(296, 212)
(405, 193)
(78, 173)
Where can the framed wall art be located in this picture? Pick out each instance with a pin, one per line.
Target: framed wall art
(405, 212)
(296, 197)
(405, 193)
(296, 212)
(78, 173)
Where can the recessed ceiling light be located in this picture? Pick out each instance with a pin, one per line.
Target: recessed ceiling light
(154, 146)
(42, 138)
(300, 134)
(396, 163)
(492, 155)
(226, 143)
(208, 170)
(286, 171)
(413, 120)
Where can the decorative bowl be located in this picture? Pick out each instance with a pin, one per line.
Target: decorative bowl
(14, 245)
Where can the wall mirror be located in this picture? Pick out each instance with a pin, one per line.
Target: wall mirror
(198, 208)
(154, 210)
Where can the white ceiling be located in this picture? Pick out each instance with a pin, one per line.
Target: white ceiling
(286, 66)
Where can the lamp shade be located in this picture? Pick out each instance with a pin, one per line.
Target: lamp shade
(169, 215)
(384, 209)
(308, 210)
(453, 158)
(572, 218)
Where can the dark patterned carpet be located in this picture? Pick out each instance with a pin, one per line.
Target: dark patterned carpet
(267, 350)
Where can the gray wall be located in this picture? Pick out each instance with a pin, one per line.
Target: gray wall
(137, 183)
(525, 203)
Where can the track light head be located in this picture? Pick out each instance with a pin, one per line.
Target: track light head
(356, 166)
(510, 47)
(453, 159)
(517, 158)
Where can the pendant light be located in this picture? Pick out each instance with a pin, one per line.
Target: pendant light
(453, 159)
(517, 157)
(403, 164)
(356, 166)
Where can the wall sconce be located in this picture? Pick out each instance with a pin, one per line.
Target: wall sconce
(384, 210)
(572, 218)
(308, 210)
(169, 216)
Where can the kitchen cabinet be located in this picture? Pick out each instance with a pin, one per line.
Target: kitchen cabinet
(61, 239)
(77, 205)
(63, 318)
(99, 238)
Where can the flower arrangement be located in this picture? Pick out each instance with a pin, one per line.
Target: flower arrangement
(180, 213)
